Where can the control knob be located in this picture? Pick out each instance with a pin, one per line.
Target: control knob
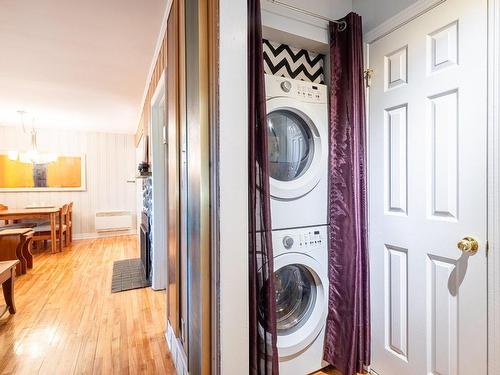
(287, 242)
(286, 86)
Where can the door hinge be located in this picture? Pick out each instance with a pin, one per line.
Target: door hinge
(487, 247)
(368, 74)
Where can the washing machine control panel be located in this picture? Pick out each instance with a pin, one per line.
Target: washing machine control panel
(311, 238)
(303, 239)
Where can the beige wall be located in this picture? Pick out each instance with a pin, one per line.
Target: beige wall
(110, 162)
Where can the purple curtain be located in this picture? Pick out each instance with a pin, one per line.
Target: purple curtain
(263, 352)
(347, 340)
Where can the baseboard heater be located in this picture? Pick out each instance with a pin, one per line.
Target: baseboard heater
(110, 221)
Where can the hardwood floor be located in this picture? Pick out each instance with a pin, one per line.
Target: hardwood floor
(68, 322)
(328, 371)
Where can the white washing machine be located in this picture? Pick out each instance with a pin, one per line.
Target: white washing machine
(301, 282)
(297, 118)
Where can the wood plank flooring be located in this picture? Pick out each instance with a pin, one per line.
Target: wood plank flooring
(328, 371)
(68, 322)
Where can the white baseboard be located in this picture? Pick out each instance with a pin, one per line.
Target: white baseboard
(176, 351)
(88, 236)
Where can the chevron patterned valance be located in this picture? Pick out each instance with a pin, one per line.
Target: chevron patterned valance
(285, 61)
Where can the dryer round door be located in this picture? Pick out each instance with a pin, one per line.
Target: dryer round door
(295, 147)
(301, 301)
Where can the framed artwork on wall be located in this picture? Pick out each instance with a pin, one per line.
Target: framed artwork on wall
(67, 173)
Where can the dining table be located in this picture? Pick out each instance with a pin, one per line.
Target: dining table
(37, 213)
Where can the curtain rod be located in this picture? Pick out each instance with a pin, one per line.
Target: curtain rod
(342, 24)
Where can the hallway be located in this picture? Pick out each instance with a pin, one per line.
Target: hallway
(68, 322)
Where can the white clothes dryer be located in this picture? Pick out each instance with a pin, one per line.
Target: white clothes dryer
(301, 282)
(297, 118)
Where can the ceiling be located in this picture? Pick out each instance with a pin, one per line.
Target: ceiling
(375, 12)
(76, 64)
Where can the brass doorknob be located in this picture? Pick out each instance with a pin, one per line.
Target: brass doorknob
(468, 245)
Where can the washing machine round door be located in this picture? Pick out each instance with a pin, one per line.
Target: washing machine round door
(301, 301)
(295, 149)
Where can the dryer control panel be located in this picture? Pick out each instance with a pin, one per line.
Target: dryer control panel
(310, 92)
(293, 88)
(311, 238)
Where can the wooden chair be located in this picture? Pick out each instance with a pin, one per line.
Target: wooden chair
(42, 232)
(7, 277)
(70, 222)
(3, 208)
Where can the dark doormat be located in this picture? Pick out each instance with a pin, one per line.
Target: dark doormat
(128, 274)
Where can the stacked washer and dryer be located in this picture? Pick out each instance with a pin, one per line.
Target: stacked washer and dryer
(298, 155)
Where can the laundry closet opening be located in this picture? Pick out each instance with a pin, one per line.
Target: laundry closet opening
(392, 177)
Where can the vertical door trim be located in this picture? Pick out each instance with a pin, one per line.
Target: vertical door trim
(174, 92)
(213, 57)
(493, 186)
(233, 185)
(160, 188)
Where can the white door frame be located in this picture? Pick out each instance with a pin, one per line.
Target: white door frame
(493, 186)
(159, 181)
(394, 23)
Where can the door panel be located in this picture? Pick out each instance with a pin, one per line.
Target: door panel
(396, 265)
(396, 148)
(427, 142)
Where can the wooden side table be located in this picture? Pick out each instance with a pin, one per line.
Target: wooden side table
(7, 278)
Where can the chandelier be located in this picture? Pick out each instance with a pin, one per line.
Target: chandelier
(32, 156)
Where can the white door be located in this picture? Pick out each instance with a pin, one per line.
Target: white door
(427, 166)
